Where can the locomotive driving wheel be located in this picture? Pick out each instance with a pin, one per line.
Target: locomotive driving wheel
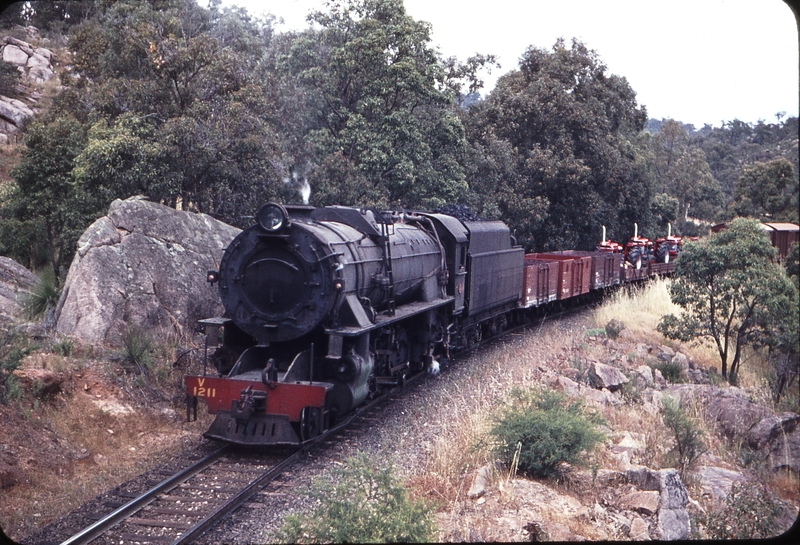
(392, 351)
(401, 351)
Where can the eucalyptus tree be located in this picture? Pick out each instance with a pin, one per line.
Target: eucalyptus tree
(682, 172)
(767, 190)
(733, 294)
(562, 131)
(380, 125)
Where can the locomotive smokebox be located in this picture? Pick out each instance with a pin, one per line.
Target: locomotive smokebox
(277, 279)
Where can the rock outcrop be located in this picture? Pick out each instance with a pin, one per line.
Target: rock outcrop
(776, 438)
(36, 66)
(15, 282)
(142, 266)
(34, 62)
(606, 376)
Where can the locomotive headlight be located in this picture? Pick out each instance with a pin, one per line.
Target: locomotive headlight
(272, 217)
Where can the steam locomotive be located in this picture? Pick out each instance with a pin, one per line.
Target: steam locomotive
(327, 307)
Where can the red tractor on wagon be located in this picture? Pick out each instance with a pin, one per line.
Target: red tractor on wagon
(638, 250)
(667, 248)
(608, 246)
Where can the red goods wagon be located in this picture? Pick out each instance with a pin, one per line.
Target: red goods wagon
(540, 282)
(576, 273)
(783, 235)
(661, 269)
(605, 269)
(563, 276)
(579, 267)
(631, 274)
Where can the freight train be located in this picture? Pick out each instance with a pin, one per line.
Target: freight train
(327, 307)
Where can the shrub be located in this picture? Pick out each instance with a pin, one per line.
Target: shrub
(689, 444)
(138, 348)
(63, 348)
(44, 296)
(360, 503)
(750, 512)
(12, 390)
(613, 328)
(10, 78)
(551, 429)
(672, 372)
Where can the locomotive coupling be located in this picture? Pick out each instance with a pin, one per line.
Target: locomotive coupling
(250, 402)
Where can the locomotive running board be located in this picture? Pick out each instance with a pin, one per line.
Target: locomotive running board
(382, 320)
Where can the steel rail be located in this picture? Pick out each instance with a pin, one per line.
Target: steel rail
(136, 504)
(236, 501)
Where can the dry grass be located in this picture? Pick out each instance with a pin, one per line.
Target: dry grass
(461, 443)
(86, 439)
(10, 155)
(639, 307)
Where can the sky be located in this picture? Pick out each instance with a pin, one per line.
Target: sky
(695, 61)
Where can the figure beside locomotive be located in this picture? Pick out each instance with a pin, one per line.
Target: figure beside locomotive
(326, 307)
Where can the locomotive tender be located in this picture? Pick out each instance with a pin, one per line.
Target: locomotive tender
(325, 307)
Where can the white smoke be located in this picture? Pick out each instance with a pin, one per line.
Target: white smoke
(304, 187)
(305, 190)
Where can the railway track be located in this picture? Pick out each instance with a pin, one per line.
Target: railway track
(187, 503)
(191, 501)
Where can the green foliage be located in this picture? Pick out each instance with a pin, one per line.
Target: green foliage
(792, 263)
(766, 190)
(63, 348)
(12, 390)
(689, 444)
(41, 219)
(736, 143)
(682, 173)
(553, 150)
(550, 428)
(614, 328)
(169, 108)
(383, 126)
(672, 372)
(360, 503)
(733, 293)
(13, 347)
(54, 17)
(43, 297)
(10, 78)
(138, 348)
(750, 512)
(664, 210)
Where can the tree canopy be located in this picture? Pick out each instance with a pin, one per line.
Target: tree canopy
(555, 141)
(383, 129)
(767, 190)
(210, 109)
